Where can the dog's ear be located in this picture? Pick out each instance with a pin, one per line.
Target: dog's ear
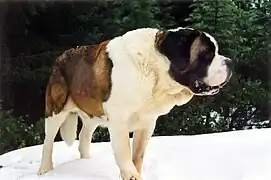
(176, 46)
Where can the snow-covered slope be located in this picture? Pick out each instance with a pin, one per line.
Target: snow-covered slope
(239, 155)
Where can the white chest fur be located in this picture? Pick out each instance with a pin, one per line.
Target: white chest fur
(156, 107)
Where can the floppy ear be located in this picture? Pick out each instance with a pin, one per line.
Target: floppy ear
(176, 46)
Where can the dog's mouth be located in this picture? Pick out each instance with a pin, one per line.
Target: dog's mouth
(201, 88)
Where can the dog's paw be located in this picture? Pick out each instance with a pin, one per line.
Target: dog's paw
(45, 168)
(132, 178)
(85, 156)
(130, 173)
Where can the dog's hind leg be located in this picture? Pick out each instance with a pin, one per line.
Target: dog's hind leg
(89, 124)
(52, 125)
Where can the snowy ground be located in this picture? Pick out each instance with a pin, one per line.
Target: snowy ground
(239, 155)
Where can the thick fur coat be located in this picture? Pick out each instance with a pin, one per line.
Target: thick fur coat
(125, 84)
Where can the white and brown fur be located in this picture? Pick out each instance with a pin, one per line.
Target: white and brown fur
(124, 84)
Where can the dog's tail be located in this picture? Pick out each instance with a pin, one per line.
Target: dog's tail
(68, 130)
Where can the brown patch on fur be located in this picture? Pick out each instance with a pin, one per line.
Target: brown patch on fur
(56, 93)
(159, 37)
(84, 74)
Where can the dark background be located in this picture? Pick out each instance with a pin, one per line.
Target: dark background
(34, 34)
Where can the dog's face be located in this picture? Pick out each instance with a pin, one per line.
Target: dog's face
(194, 60)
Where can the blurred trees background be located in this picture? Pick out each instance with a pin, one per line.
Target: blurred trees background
(34, 34)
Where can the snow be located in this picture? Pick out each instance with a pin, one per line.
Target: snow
(237, 155)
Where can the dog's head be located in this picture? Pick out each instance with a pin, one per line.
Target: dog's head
(194, 60)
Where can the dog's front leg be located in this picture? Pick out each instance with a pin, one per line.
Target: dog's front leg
(119, 135)
(140, 142)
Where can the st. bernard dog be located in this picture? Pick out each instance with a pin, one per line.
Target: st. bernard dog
(125, 84)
